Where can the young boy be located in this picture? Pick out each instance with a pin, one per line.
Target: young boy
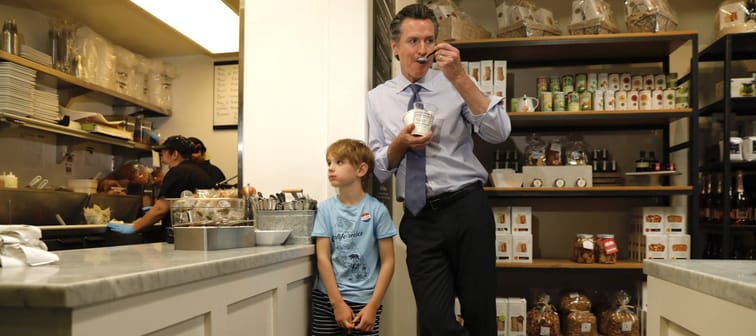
(354, 247)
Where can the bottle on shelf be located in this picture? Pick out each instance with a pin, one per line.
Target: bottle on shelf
(705, 199)
(642, 164)
(741, 209)
(653, 164)
(716, 205)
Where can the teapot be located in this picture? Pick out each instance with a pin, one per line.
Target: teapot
(527, 104)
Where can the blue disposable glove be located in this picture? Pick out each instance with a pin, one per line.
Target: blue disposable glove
(122, 228)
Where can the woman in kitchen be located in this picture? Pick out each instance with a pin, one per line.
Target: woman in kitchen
(184, 174)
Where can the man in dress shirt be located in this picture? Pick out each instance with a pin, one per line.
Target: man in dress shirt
(450, 241)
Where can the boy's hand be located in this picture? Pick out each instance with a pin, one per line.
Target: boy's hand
(365, 319)
(343, 315)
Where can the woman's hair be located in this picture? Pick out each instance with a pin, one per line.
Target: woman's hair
(415, 11)
(354, 151)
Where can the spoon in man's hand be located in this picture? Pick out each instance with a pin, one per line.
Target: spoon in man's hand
(424, 59)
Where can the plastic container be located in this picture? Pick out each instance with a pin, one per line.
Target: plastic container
(88, 186)
(300, 222)
(582, 251)
(207, 212)
(11, 181)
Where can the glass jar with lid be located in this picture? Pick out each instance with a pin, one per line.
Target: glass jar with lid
(582, 251)
(606, 249)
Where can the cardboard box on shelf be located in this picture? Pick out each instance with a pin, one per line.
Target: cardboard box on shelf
(676, 220)
(502, 218)
(522, 248)
(648, 220)
(655, 246)
(487, 74)
(500, 74)
(679, 246)
(501, 317)
(503, 247)
(452, 28)
(474, 68)
(521, 219)
(517, 318)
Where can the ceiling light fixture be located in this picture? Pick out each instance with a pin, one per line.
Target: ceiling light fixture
(209, 23)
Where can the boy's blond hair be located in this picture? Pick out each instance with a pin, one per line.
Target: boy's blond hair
(354, 151)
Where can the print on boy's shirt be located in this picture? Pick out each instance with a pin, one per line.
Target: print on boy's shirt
(346, 251)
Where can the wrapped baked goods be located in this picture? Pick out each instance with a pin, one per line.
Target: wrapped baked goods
(554, 153)
(581, 323)
(575, 154)
(454, 24)
(574, 300)
(521, 18)
(592, 17)
(622, 321)
(543, 318)
(649, 16)
(736, 17)
(535, 151)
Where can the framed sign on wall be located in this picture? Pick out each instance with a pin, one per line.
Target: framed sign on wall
(226, 95)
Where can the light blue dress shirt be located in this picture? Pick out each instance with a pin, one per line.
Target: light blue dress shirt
(450, 162)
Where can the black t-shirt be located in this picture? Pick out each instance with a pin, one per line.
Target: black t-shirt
(186, 176)
(216, 175)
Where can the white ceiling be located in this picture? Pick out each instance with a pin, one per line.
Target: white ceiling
(121, 22)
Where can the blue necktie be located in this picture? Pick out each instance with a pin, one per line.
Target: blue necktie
(414, 185)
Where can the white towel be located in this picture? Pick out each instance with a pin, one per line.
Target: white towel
(21, 245)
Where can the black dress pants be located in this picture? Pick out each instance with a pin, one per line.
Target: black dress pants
(450, 252)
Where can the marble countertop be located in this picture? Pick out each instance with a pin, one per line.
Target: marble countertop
(731, 280)
(89, 276)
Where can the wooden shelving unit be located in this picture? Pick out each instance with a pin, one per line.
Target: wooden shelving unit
(569, 264)
(550, 269)
(598, 191)
(597, 118)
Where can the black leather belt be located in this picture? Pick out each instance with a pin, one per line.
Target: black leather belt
(447, 198)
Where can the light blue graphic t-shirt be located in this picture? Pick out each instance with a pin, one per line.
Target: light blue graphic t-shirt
(354, 231)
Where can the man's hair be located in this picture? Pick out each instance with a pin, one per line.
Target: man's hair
(415, 11)
(354, 151)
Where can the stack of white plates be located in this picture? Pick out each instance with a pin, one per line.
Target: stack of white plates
(35, 55)
(45, 106)
(16, 87)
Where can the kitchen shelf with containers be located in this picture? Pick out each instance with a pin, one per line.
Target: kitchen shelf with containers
(33, 91)
(63, 80)
(648, 105)
(726, 200)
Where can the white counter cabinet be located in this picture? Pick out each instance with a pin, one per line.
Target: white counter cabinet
(156, 290)
(701, 297)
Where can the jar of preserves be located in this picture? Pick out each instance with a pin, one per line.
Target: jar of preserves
(582, 251)
(606, 249)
